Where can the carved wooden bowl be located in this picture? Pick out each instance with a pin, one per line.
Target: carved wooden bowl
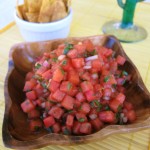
(15, 129)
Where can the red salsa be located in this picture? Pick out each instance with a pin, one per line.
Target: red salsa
(77, 89)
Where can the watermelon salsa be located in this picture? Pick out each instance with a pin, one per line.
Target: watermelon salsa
(77, 89)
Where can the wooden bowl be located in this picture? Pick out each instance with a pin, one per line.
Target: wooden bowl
(15, 129)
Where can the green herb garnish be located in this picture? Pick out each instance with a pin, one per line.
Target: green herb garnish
(68, 48)
(37, 77)
(52, 101)
(93, 52)
(123, 82)
(62, 71)
(69, 86)
(81, 119)
(64, 62)
(85, 54)
(55, 59)
(106, 79)
(124, 73)
(36, 128)
(114, 86)
(107, 107)
(37, 66)
(119, 108)
(80, 108)
(50, 129)
(44, 85)
(66, 131)
(69, 111)
(96, 103)
(117, 116)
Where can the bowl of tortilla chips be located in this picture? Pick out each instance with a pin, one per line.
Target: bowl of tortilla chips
(42, 20)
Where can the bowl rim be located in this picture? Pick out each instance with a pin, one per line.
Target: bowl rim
(50, 138)
(41, 26)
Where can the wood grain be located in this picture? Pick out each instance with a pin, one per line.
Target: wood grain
(15, 127)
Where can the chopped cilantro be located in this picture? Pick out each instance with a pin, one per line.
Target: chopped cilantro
(81, 120)
(69, 111)
(119, 108)
(55, 59)
(68, 48)
(123, 82)
(37, 77)
(69, 86)
(50, 129)
(64, 62)
(52, 101)
(36, 128)
(66, 131)
(98, 109)
(107, 107)
(124, 73)
(96, 103)
(93, 52)
(85, 54)
(114, 86)
(44, 85)
(117, 116)
(37, 66)
(62, 71)
(121, 121)
(106, 79)
(80, 107)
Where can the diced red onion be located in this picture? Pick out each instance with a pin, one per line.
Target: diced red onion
(87, 67)
(38, 81)
(121, 115)
(88, 63)
(93, 116)
(91, 58)
(99, 100)
(58, 104)
(44, 115)
(44, 90)
(45, 63)
(113, 90)
(125, 119)
(106, 98)
(94, 75)
(43, 105)
(61, 57)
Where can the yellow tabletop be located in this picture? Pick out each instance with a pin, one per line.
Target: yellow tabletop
(88, 18)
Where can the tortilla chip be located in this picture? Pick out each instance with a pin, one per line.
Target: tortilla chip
(34, 5)
(43, 10)
(25, 9)
(59, 10)
(67, 4)
(25, 6)
(32, 17)
(19, 10)
(46, 11)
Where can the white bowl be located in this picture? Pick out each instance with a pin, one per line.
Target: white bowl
(44, 31)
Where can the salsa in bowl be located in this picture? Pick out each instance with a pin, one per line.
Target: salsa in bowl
(94, 93)
(77, 89)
